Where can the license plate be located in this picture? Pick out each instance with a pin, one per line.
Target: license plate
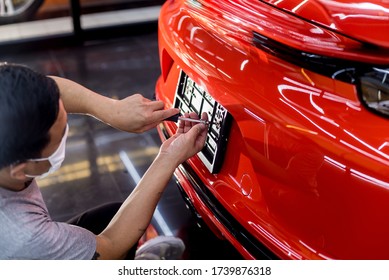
(190, 97)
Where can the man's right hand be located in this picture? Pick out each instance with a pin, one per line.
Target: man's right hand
(188, 140)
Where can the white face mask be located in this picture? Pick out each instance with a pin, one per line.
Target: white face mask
(55, 159)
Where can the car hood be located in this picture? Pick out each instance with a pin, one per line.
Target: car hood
(364, 20)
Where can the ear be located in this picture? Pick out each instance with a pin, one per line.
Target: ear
(17, 171)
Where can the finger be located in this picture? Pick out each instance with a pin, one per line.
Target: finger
(203, 135)
(160, 115)
(204, 116)
(156, 105)
(193, 115)
(187, 124)
(200, 132)
(196, 131)
(181, 126)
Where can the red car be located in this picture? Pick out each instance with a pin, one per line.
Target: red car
(296, 164)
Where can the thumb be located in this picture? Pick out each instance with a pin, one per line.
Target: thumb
(196, 130)
(196, 133)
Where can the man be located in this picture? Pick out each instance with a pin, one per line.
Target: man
(33, 130)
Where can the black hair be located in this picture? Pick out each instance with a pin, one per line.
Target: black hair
(29, 105)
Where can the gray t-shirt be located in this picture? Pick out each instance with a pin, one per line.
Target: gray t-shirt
(28, 232)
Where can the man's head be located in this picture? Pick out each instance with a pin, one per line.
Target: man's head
(29, 107)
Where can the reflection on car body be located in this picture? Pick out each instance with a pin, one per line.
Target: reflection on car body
(305, 162)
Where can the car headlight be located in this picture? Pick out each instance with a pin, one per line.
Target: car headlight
(374, 90)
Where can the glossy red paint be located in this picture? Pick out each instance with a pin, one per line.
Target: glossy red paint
(306, 166)
(367, 21)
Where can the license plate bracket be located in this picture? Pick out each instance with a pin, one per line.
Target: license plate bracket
(191, 97)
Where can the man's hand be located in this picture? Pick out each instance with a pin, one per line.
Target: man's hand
(188, 140)
(138, 114)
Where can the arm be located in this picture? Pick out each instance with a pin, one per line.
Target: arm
(134, 216)
(132, 114)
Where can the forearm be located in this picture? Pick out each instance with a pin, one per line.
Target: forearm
(132, 219)
(134, 113)
(81, 100)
